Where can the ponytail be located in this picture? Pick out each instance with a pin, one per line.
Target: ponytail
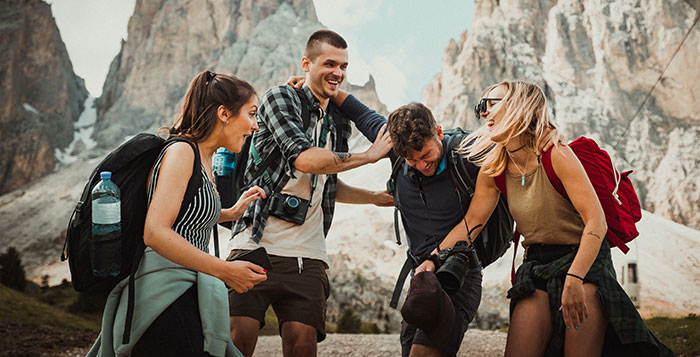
(207, 91)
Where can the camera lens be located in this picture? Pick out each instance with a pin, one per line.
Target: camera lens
(291, 204)
(452, 273)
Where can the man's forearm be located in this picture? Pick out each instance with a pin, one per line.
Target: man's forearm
(320, 161)
(355, 195)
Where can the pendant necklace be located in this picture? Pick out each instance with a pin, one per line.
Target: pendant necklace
(522, 174)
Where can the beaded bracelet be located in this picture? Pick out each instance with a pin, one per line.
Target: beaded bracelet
(575, 276)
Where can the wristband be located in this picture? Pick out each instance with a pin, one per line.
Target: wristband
(575, 276)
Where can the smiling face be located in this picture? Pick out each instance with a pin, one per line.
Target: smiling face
(493, 114)
(427, 159)
(327, 71)
(240, 126)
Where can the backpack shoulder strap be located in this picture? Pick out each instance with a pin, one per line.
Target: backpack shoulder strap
(391, 188)
(501, 183)
(553, 178)
(195, 180)
(459, 173)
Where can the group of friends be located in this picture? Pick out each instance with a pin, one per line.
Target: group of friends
(565, 299)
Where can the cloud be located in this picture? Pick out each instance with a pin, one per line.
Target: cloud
(347, 13)
(390, 79)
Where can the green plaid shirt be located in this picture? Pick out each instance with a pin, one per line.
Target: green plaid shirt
(281, 125)
(633, 337)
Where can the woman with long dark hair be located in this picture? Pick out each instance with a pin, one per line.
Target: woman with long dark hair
(565, 299)
(180, 298)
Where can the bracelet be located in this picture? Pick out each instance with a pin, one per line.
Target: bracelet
(575, 276)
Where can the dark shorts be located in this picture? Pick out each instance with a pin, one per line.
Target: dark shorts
(293, 296)
(466, 302)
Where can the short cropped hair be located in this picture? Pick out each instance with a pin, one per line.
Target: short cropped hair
(409, 127)
(313, 45)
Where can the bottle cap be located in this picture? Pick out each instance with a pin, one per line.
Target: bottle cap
(106, 175)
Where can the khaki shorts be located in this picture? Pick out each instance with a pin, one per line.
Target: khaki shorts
(294, 296)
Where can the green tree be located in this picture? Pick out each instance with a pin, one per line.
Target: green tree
(11, 271)
(349, 322)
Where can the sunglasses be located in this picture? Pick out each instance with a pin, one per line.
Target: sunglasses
(481, 107)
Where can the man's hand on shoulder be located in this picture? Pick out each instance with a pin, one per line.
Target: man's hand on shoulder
(381, 146)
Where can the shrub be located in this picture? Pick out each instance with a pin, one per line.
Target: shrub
(11, 271)
(349, 322)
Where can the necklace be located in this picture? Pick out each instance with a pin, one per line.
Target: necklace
(522, 174)
(516, 149)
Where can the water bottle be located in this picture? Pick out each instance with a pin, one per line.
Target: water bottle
(223, 162)
(105, 245)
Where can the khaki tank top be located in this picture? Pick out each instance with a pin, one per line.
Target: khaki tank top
(542, 215)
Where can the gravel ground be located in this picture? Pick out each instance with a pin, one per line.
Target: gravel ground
(476, 343)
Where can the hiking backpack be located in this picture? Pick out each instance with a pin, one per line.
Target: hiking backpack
(614, 190)
(495, 237)
(130, 165)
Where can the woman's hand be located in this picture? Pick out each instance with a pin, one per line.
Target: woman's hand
(242, 275)
(573, 303)
(236, 212)
(296, 81)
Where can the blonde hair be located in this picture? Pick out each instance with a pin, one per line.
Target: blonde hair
(525, 115)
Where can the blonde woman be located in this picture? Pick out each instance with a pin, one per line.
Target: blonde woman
(565, 296)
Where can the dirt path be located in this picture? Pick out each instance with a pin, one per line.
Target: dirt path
(476, 343)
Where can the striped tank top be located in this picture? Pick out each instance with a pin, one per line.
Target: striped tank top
(202, 213)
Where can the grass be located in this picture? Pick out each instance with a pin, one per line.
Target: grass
(681, 335)
(30, 327)
(17, 307)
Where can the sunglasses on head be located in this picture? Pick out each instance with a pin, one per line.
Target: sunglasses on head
(481, 107)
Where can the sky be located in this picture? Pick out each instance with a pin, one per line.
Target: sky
(399, 42)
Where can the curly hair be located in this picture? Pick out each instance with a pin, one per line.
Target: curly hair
(409, 127)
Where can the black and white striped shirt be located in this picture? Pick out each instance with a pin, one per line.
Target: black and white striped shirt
(202, 213)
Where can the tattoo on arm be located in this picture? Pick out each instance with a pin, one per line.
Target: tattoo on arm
(593, 234)
(341, 157)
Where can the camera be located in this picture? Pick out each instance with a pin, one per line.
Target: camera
(457, 262)
(288, 207)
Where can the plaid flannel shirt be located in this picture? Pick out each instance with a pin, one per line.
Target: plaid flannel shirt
(281, 125)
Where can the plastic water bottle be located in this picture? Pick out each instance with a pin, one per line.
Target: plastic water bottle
(105, 245)
(223, 162)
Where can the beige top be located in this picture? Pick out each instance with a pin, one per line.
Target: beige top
(542, 215)
(287, 239)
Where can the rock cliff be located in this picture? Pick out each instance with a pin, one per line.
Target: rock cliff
(622, 72)
(40, 95)
(170, 41)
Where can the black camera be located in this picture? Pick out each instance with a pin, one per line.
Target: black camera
(456, 263)
(289, 208)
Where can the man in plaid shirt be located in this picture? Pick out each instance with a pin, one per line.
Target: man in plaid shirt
(304, 166)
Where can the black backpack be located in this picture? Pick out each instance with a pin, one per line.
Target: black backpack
(232, 186)
(493, 240)
(130, 165)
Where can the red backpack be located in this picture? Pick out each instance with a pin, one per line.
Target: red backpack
(614, 190)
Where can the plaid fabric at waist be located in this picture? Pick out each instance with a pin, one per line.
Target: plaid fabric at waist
(546, 253)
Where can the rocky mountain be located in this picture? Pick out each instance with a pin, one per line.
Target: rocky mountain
(40, 95)
(170, 41)
(622, 72)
